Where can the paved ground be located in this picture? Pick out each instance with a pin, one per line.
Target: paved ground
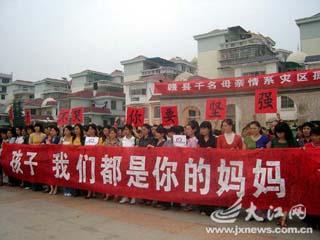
(38, 216)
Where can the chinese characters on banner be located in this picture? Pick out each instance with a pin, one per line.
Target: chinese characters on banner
(27, 117)
(63, 117)
(291, 80)
(135, 116)
(169, 115)
(266, 101)
(216, 109)
(77, 115)
(189, 175)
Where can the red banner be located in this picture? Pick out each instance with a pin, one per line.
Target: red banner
(294, 79)
(77, 115)
(216, 109)
(63, 117)
(169, 116)
(266, 101)
(135, 116)
(27, 117)
(10, 114)
(278, 177)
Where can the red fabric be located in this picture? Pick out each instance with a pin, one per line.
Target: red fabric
(236, 144)
(169, 115)
(216, 109)
(27, 117)
(135, 116)
(298, 172)
(77, 115)
(10, 113)
(63, 117)
(266, 101)
(289, 80)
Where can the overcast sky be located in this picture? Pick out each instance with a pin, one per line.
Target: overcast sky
(55, 38)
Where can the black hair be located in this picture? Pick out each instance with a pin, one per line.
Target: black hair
(160, 129)
(56, 129)
(94, 127)
(82, 139)
(129, 127)
(208, 125)
(39, 125)
(113, 129)
(315, 131)
(30, 127)
(228, 121)
(70, 128)
(308, 124)
(257, 124)
(195, 126)
(283, 127)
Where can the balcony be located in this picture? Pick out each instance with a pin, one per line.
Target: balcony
(160, 70)
(56, 89)
(28, 91)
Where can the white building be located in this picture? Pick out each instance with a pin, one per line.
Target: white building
(20, 90)
(235, 52)
(5, 80)
(140, 74)
(49, 87)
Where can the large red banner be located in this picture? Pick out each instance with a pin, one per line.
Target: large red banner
(277, 177)
(289, 80)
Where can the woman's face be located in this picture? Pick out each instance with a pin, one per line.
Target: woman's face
(29, 131)
(145, 131)
(226, 128)
(9, 134)
(77, 130)
(158, 135)
(106, 132)
(315, 138)
(91, 132)
(189, 131)
(306, 131)
(37, 129)
(53, 132)
(112, 134)
(254, 130)
(281, 135)
(47, 131)
(18, 131)
(204, 131)
(67, 132)
(23, 132)
(126, 132)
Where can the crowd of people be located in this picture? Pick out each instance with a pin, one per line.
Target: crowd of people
(253, 136)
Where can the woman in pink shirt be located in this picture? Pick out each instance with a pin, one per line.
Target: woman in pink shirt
(191, 129)
(229, 140)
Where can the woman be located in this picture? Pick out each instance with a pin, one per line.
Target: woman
(315, 138)
(53, 138)
(37, 138)
(229, 140)
(283, 139)
(255, 139)
(19, 137)
(161, 141)
(78, 139)
(67, 140)
(146, 138)
(206, 139)
(306, 133)
(92, 133)
(104, 135)
(128, 140)
(191, 130)
(112, 141)
(11, 136)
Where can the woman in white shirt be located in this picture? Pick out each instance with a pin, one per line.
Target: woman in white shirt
(128, 140)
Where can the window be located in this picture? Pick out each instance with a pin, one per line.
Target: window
(156, 112)
(5, 80)
(123, 106)
(4, 88)
(113, 105)
(192, 113)
(3, 97)
(142, 91)
(33, 111)
(286, 102)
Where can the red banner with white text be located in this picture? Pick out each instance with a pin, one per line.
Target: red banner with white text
(277, 177)
(199, 85)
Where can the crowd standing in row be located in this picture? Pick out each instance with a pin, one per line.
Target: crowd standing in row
(253, 136)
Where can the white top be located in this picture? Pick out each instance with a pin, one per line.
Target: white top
(128, 142)
(229, 137)
(20, 140)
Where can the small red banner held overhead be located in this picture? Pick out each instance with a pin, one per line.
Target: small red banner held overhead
(266, 101)
(77, 115)
(27, 117)
(10, 114)
(216, 109)
(169, 115)
(135, 116)
(63, 117)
